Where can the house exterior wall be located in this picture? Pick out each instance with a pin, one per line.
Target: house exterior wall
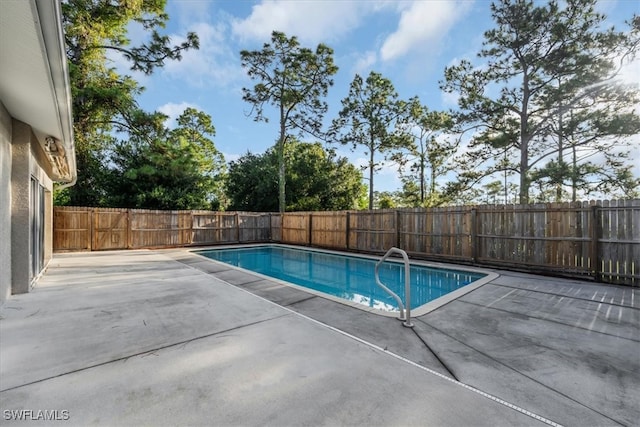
(28, 161)
(20, 183)
(5, 203)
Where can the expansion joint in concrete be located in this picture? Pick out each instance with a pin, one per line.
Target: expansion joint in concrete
(543, 319)
(493, 359)
(442, 362)
(568, 296)
(301, 300)
(146, 352)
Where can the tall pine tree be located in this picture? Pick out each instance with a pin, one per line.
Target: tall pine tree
(543, 62)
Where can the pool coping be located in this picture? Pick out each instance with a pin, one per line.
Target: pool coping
(415, 312)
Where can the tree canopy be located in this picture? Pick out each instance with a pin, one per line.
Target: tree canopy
(168, 169)
(542, 102)
(104, 101)
(317, 179)
(429, 152)
(368, 118)
(294, 80)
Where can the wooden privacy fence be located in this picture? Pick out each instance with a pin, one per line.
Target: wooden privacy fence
(95, 229)
(597, 239)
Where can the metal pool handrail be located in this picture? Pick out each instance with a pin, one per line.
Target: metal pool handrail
(405, 313)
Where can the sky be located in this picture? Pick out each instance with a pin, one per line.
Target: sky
(409, 42)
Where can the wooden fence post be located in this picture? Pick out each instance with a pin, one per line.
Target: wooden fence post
(595, 236)
(191, 233)
(270, 229)
(129, 232)
(94, 230)
(89, 228)
(347, 229)
(237, 227)
(310, 228)
(474, 234)
(397, 228)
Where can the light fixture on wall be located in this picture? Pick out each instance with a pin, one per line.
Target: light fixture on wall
(54, 147)
(57, 155)
(49, 144)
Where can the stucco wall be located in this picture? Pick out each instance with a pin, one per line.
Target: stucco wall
(21, 157)
(20, 185)
(28, 160)
(5, 204)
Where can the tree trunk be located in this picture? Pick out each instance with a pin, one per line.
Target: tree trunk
(422, 162)
(281, 177)
(560, 173)
(574, 175)
(432, 186)
(371, 166)
(524, 141)
(282, 205)
(524, 171)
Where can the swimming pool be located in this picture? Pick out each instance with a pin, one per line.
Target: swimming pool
(350, 279)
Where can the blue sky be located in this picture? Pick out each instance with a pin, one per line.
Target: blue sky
(410, 42)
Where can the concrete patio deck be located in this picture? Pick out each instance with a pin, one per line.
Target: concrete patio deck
(170, 338)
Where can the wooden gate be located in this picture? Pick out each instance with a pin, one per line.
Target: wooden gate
(110, 229)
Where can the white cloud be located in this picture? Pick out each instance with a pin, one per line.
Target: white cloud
(214, 64)
(311, 22)
(421, 24)
(364, 62)
(173, 111)
(189, 11)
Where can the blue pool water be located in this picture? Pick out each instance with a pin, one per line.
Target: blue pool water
(349, 277)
